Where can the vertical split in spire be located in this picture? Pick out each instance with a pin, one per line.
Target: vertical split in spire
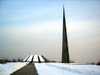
(65, 52)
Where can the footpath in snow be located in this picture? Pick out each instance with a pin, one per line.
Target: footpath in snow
(66, 69)
(8, 68)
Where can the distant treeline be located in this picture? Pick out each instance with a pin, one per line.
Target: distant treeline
(10, 60)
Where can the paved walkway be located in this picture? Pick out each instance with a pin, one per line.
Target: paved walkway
(27, 70)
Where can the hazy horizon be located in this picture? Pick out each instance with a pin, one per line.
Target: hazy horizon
(35, 27)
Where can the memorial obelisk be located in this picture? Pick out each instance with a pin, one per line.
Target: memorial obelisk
(65, 52)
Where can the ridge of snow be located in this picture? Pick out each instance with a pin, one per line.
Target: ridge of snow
(41, 58)
(35, 58)
(25, 58)
(30, 58)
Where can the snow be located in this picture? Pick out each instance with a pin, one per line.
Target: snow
(35, 58)
(41, 58)
(8, 68)
(66, 69)
(30, 58)
(26, 58)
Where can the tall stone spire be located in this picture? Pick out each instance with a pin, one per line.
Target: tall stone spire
(65, 52)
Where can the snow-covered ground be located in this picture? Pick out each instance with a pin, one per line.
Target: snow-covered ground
(52, 68)
(8, 68)
(66, 69)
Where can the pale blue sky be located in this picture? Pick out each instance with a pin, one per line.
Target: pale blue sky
(35, 27)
